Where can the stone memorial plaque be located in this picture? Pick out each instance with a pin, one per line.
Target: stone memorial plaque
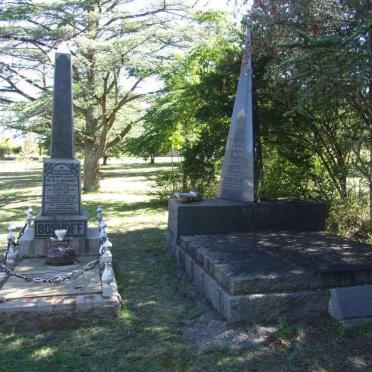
(45, 228)
(61, 187)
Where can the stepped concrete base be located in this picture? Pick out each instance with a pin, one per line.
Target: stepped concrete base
(219, 216)
(261, 276)
(37, 306)
(31, 247)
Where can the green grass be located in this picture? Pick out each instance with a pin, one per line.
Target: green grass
(156, 311)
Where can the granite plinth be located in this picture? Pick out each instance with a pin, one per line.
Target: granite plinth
(32, 247)
(260, 276)
(38, 306)
(61, 187)
(76, 225)
(218, 216)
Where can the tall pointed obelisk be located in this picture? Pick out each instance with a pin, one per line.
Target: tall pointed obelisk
(62, 145)
(237, 179)
(61, 206)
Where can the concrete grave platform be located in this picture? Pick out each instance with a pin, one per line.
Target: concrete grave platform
(31, 247)
(38, 306)
(261, 276)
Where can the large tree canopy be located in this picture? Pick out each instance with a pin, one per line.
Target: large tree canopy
(117, 45)
(322, 52)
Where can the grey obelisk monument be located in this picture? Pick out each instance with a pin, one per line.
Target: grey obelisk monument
(237, 179)
(61, 206)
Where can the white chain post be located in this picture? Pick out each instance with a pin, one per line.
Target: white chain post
(105, 257)
(106, 245)
(29, 216)
(12, 253)
(107, 281)
(103, 235)
(99, 214)
(102, 226)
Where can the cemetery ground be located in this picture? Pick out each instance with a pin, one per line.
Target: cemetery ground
(164, 324)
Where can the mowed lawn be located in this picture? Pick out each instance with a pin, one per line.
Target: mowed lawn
(164, 325)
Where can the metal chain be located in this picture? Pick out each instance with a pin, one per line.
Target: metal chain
(59, 277)
(54, 279)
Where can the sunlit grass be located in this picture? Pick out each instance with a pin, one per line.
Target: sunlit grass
(149, 333)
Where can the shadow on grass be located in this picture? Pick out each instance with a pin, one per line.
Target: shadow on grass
(148, 335)
(112, 209)
(20, 180)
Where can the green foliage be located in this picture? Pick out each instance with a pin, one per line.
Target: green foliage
(319, 55)
(285, 330)
(167, 183)
(192, 112)
(350, 218)
(7, 147)
(339, 328)
(116, 47)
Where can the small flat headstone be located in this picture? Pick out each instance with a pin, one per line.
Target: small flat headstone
(351, 305)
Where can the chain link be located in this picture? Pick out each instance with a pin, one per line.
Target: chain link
(54, 279)
(59, 277)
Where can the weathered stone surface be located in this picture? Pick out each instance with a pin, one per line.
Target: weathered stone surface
(352, 305)
(250, 263)
(88, 283)
(75, 224)
(62, 144)
(218, 216)
(237, 181)
(61, 187)
(264, 307)
(31, 247)
(37, 307)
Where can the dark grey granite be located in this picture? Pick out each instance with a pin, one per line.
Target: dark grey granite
(352, 305)
(62, 130)
(61, 187)
(31, 247)
(216, 216)
(237, 179)
(75, 224)
(61, 204)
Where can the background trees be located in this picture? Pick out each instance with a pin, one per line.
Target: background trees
(116, 47)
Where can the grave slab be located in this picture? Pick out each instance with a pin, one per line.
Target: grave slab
(260, 276)
(37, 306)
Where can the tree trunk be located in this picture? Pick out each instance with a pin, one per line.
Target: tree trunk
(91, 169)
(152, 159)
(105, 158)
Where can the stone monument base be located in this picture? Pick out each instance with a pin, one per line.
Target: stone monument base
(219, 216)
(258, 277)
(75, 224)
(40, 306)
(31, 247)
